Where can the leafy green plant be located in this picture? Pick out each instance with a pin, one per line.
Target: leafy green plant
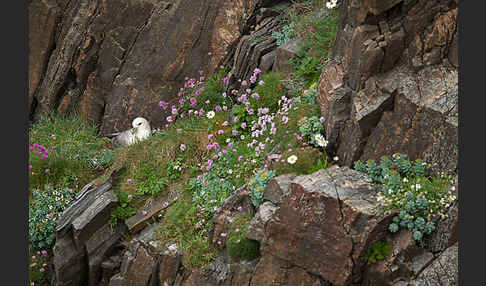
(44, 208)
(311, 129)
(287, 33)
(320, 164)
(149, 182)
(377, 251)
(124, 210)
(238, 246)
(404, 187)
(307, 67)
(257, 184)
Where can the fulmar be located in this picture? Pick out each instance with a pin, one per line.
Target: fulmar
(140, 131)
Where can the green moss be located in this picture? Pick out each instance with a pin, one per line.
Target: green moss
(377, 251)
(238, 246)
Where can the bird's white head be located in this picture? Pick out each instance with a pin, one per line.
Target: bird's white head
(140, 122)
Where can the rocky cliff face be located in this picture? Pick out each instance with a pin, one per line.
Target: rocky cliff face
(116, 60)
(392, 84)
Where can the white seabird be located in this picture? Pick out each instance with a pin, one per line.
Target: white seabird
(141, 130)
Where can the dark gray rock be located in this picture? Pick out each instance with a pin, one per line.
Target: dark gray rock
(256, 229)
(442, 271)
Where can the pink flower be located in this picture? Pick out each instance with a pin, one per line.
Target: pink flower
(230, 144)
(237, 230)
(311, 30)
(220, 132)
(53, 136)
(225, 80)
(129, 181)
(225, 123)
(169, 119)
(255, 95)
(144, 213)
(165, 204)
(174, 110)
(217, 108)
(240, 157)
(181, 101)
(225, 107)
(30, 167)
(244, 83)
(176, 198)
(47, 170)
(225, 152)
(163, 104)
(52, 148)
(182, 147)
(44, 252)
(210, 136)
(42, 270)
(234, 132)
(261, 82)
(243, 125)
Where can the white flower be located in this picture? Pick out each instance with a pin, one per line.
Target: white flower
(230, 171)
(331, 4)
(228, 140)
(418, 186)
(242, 137)
(336, 158)
(292, 159)
(210, 114)
(405, 180)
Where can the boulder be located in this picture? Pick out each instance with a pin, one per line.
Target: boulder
(323, 223)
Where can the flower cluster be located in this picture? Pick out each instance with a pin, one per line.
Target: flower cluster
(38, 265)
(312, 128)
(42, 152)
(405, 187)
(195, 94)
(44, 209)
(258, 183)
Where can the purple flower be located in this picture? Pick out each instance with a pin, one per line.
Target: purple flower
(179, 131)
(30, 167)
(44, 252)
(165, 204)
(243, 125)
(144, 213)
(31, 148)
(42, 269)
(193, 101)
(225, 107)
(163, 104)
(217, 108)
(47, 170)
(257, 71)
(261, 82)
(210, 136)
(209, 146)
(181, 101)
(169, 119)
(182, 147)
(253, 79)
(174, 110)
(230, 144)
(311, 30)
(176, 198)
(52, 148)
(240, 157)
(244, 83)
(225, 80)
(225, 123)
(234, 132)
(255, 95)
(220, 132)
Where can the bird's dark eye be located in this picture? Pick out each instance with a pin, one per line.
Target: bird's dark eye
(140, 123)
